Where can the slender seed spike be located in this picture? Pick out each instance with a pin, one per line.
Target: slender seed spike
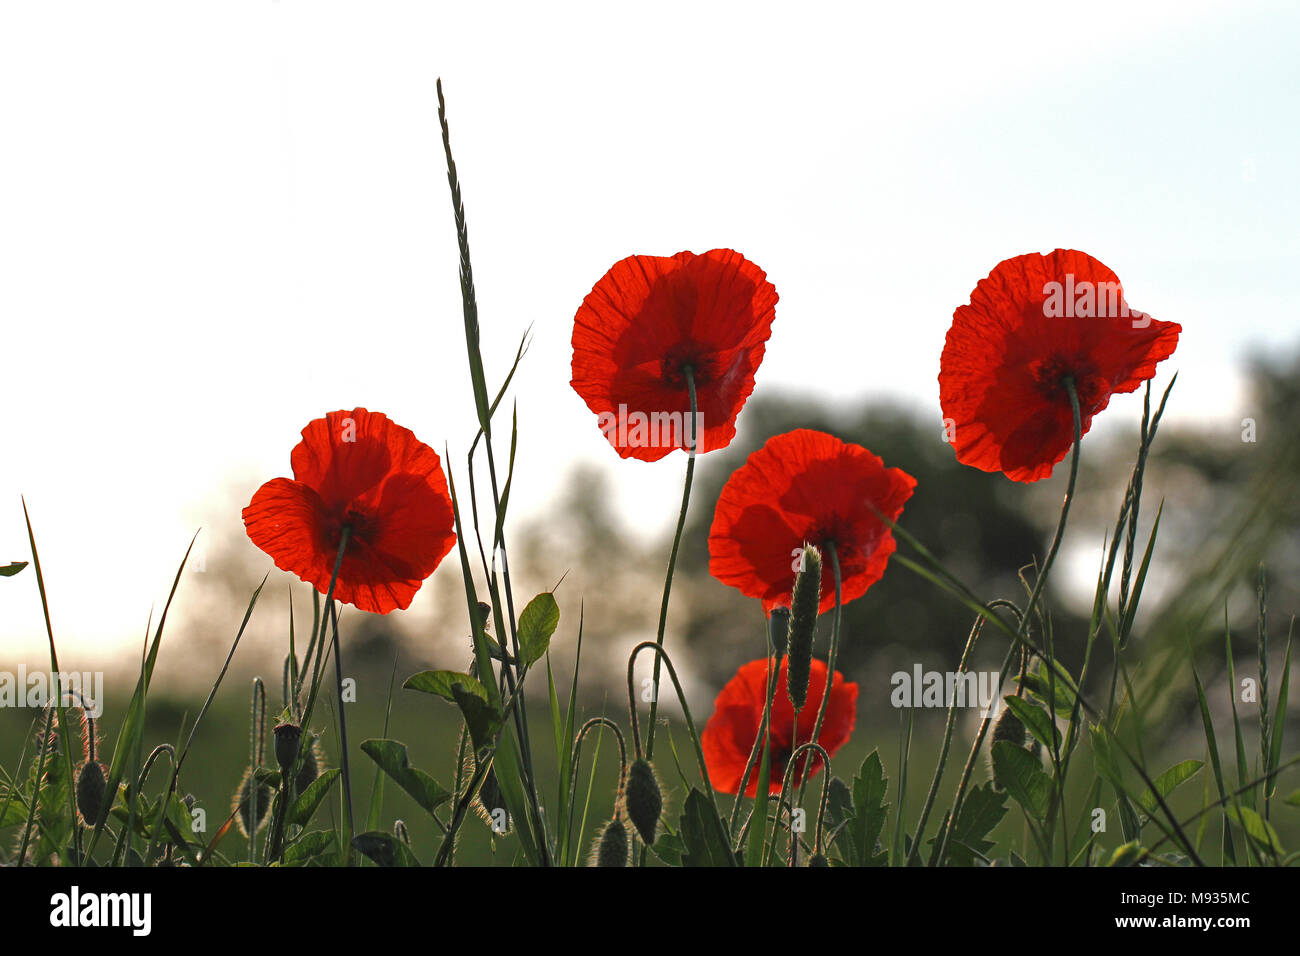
(643, 800)
(803, 623)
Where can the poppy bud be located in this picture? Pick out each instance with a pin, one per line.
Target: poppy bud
(92, 787)
(261, 794)
(313, 762)
(643, 800)
(611, 849)
(1009, 728)
(400, 832)
(778, 626)
(490, 799)
(803, 623)
(287, 738)
(818, 859)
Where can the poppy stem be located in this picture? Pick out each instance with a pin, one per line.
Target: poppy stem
(277, 836)
(1041, 580)
(689, 373)
(760, 741)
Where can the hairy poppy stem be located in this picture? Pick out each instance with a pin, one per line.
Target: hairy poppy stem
(689, 373)
(661, 654)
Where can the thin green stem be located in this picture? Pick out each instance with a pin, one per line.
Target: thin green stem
(689, 373)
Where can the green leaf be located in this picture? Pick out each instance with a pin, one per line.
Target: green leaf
(703, 834)
(1256, 827)
(669, 848)
(1167, 781)
(440, 684)
(1130, 854)
(9, 570)
(981, 811)
(305, 804)
(316, 848)
(1294, 799)
(1021, 774)
(391, 757)
(1036, 720)
(1037, 683)
(482, 719)
(864, 817)
(384, 849)
(536, 625)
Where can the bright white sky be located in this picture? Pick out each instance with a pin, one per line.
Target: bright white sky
(218, 221)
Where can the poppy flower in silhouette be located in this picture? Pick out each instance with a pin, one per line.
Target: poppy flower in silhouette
(650, 320)
(1035, 322)
(357, 469)
(808, 487)
(738, 715)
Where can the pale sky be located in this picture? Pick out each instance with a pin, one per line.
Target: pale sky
(219, 221)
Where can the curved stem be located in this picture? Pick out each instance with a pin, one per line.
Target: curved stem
(672, 557)
(661, 654)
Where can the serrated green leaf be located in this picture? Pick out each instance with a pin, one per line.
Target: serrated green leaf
(391, 757)
(703, 834)
(869, 813)
(981, 811)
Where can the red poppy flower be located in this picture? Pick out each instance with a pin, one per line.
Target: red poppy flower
(806, 486)
(1035, 321)
(738, 715)
(645, 322)
(358, 469)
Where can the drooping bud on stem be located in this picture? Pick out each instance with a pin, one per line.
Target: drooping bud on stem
(803, 623)
(92, 786)
(612, 847)
(1009, 728)
(643, 800)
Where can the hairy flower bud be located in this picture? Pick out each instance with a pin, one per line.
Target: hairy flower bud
(612, 847)
(92, 787)
(643, 800)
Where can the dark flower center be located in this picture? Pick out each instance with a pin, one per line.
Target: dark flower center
(1054, 376)
(361, 525)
